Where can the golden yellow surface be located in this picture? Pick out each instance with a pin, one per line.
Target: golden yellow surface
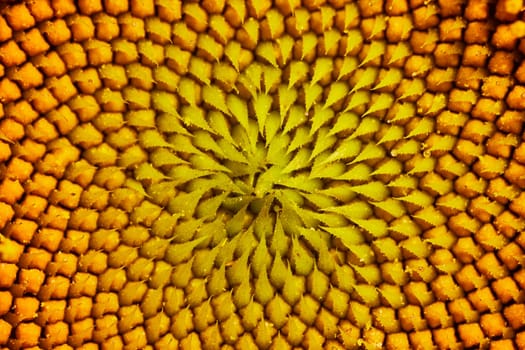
(244, 174)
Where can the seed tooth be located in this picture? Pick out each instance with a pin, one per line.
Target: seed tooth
(251, 315)
(168, 342)
(264, 333)
(327, 324)
(264, 290)
(323, 68)
(174, 300)
(322, 143)
(370, 274)
(278, 271)
(489, 167)
(337, 92)
(156, 326)
(239, 269)
(177, 253)
(242, 294)
(132, 293)
(211, 337)
(352, 42)
(312, 94)
(440, 237)
(161, 275)
(444, 261)
(223, 306)
(248, 35)
(298, 73)
(452, 202)
(217, 281)
(377, 48)
(430, 216)
(325, 262)
(277, 311)
(343, 278)
(321, 116)
(301, 259)
(359, 315)
(182, 274)
(196, 292)
(152, 302)
(211, 50)
(293, 288)
(356, 210)
(204, 316)
(287, 97)
(308, 46)
(246, 341)
(317, 284)
(391, 207)
(182, 325)
(363, 78)
(330, 42)
(261, 259)
(294, 330)
(189, 91)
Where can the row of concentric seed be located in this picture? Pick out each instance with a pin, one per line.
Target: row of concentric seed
(82, 211)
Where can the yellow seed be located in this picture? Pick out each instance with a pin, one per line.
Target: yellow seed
(239, 109)
(317, 284)
(166, 78)
(243, 294)
(287, 97)
(389, 167)
(189, 91)
(323, 67)
(267, 51)
(275, 23)
(86, 135)
(264, 333)
(180, 252)
(376, 48)
(239, 270)
(249, 36)
(306, 309)
(233, 52)
(404, 226)
(418, 198)
(263, 289)
(277, 310)
(196, 292)
(414, 87)
(271, 78)
(251, 314)
(353, 42)
(209, 48)
(422, 166)
(293, 288)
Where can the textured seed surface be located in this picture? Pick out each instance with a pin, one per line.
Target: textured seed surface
(253, 174)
